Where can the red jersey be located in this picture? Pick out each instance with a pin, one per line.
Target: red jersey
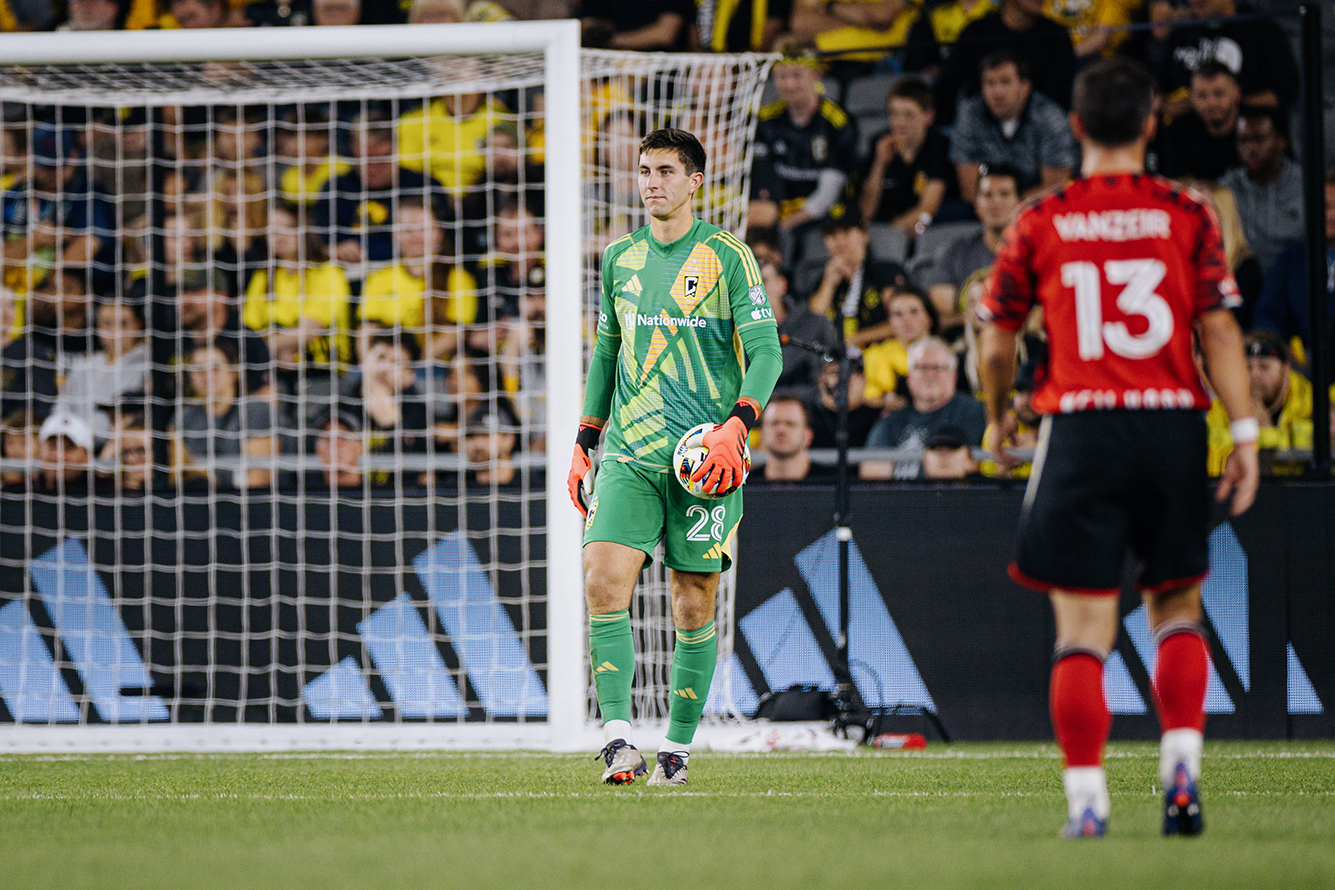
(1122, 265)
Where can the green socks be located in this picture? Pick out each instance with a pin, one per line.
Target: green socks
(692, 670)
(612, 655)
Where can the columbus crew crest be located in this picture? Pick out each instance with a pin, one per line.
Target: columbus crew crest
(820, 149)
(692, 282)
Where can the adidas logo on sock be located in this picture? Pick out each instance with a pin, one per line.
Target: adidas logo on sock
(605, 667)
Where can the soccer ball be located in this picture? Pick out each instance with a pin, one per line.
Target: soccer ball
(690, 453)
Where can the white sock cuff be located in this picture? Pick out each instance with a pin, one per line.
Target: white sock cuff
(617, 729)
(671, 747)
(1180, 746)
(1086, 788)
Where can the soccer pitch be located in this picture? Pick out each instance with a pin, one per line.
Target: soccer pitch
(952, 816)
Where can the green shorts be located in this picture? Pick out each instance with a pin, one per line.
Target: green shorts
(639, 508)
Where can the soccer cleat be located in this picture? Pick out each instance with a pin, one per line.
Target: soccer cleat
(1182, 806)
(624, 763)
(1087, 825)
(670, 770)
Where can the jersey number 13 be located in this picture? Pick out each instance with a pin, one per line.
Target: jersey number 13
(1138, 279)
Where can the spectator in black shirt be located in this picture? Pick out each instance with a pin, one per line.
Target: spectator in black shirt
(805, 148)
(732, 27)
(207, 314)
(853, 283)
(491, 435)
(1254, 48)
(786, 434)
(357, 210)
(60, 314)
(824, 409)
(27, 366)
(909, 175)
(1202, 142)
(393, 408)
(339, 445)
(19, 441)
(801, 363)
(646, 25)
(1018, 26)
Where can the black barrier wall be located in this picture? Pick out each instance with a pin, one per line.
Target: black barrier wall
(333, 609)
(369, 610)
(937, 623)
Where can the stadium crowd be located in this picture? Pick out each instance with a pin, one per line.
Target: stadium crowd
(208, 289)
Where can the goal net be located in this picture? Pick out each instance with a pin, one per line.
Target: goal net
(287, 320)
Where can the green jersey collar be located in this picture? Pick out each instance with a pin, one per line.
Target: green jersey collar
(662, 249)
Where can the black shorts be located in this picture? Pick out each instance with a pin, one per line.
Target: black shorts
(1106, 481)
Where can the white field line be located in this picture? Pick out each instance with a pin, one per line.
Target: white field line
(1045, 752)
(625, 795)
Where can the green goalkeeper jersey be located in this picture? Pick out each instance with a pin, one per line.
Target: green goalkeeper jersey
(678, 325)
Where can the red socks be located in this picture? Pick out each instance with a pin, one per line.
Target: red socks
(1179, 678)
(1080, 717)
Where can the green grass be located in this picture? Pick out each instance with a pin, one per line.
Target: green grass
(957, 816)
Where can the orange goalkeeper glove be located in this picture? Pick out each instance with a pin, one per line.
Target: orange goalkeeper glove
(581, 464)
(724, 466)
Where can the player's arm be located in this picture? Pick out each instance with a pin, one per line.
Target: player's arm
(598, 388)
(753, 319)
(1225, 362)
(1004, 309)
(1226, 367)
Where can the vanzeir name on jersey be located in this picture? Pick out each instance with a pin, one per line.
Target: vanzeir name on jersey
(1114, 225)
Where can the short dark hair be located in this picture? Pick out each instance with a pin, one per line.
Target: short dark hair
(1212, 68)
(784, 396)
(850, 219)
(999, 57)
(1112, 98)
(1279, 120)
(933, 318)
(1005, 171)
(210, 279)
(231, 357)
(689, 150)
(395, 340)
(916, 90)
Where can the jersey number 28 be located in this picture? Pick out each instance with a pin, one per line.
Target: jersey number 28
(1138, 297)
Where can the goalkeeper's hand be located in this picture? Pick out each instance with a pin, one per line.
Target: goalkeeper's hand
(581, 465)
(723, 468)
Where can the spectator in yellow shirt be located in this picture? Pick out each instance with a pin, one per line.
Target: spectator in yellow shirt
(397, 296)
(445, 136)
(303, 145)
(1281, 404)
(1094, 24)
(299, 302)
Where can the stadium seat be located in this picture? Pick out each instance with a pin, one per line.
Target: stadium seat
(869, 125)
(866, 95)
(935, 239)
(888, 242)
(920, 267)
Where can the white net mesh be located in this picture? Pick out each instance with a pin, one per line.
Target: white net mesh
(274, 379)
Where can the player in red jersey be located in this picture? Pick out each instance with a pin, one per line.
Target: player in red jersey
(1126, 267)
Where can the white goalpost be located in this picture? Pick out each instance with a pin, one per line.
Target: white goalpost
(246, 583)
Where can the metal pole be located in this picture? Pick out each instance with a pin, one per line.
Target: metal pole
(842, 672)
(1314, 155)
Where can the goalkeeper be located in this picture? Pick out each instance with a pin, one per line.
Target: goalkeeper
(682, 300)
